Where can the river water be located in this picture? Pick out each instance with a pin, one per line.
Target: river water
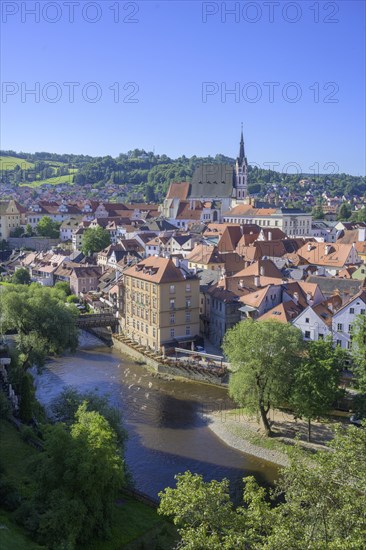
(167, 431)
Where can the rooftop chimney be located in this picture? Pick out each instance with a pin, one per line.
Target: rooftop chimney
(309, 299)
(309, 247)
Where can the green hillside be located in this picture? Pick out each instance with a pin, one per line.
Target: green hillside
(56, 180)
(9, 163)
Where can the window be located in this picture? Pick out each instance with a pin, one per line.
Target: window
(307, 334)
(172, 303)
(188, 287)
(147, 329)
(349, 345)
(339, 343)
(188, 330)
(172, 289)
(339, 327)
(172, 318)
(321, 336)
(154, 317)
(351, 309)
(349, 329)
(307, 320)
(188, 316)
(363, 311)
(172, 333)
(188, 303)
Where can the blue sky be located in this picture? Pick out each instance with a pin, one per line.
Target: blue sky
(173, 64)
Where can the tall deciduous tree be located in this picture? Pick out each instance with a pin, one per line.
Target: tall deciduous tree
(21, 277)
(322, 505)
(78, 478)
(317, 378)
(48, 228)
(44, 324)
(263, 356)
(94, 240)
(359, 351)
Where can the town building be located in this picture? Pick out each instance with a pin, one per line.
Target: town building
(160, 304)
(11, 217)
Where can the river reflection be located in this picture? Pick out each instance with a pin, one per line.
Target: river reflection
(167, 432)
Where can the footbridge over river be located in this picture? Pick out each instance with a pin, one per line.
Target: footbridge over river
(98, 320)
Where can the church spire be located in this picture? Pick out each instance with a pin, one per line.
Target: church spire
(241, 150)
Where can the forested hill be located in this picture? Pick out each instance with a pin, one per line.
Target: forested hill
(149, 174)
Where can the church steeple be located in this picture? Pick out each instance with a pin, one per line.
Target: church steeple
(241, 150)
(241, 172)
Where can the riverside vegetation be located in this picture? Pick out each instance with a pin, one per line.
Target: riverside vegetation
(51, 497)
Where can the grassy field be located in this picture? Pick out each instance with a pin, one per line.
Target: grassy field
(132, 519)
(53, 181)
(16, 457)
(9, 163)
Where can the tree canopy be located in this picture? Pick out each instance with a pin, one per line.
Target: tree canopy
(317, 379)
(48, 228)
(317, 505)
(44, 324)
(94, 240)
(21, 277)
(359, 351)
(78, 476)
(263, 356)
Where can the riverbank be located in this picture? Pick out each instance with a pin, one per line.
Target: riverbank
(245, 434)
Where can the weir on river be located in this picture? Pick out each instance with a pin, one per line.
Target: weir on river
(168, 434)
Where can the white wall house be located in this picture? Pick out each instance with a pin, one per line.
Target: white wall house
(312, 325)
(291, 221)
(344, 318)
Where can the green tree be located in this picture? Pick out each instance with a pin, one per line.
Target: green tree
(263, 356)
(64, 286)
(150, 193)
(317, 379)
(48, 228)
(28, 230)
(318, 504)
(25, 406)
(65, 406)
(78, 478)
(94, 240)
(361, 214)
(21, 277)
(359, 351)
(318, 212)
(44, 324)
(345, 212)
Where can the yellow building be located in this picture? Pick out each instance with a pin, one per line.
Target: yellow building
(160, 305)
(11, 217)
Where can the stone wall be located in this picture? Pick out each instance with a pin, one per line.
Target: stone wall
(34, 243)
(173, 369)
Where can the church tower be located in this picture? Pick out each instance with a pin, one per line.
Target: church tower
(241, 173)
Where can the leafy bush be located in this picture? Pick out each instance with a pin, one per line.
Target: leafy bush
(9, 497)
(72, 299)
(5, 408)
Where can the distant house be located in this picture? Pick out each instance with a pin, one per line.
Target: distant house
(329, 258)
(344, 318)
(315, 322)
(85, 279)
